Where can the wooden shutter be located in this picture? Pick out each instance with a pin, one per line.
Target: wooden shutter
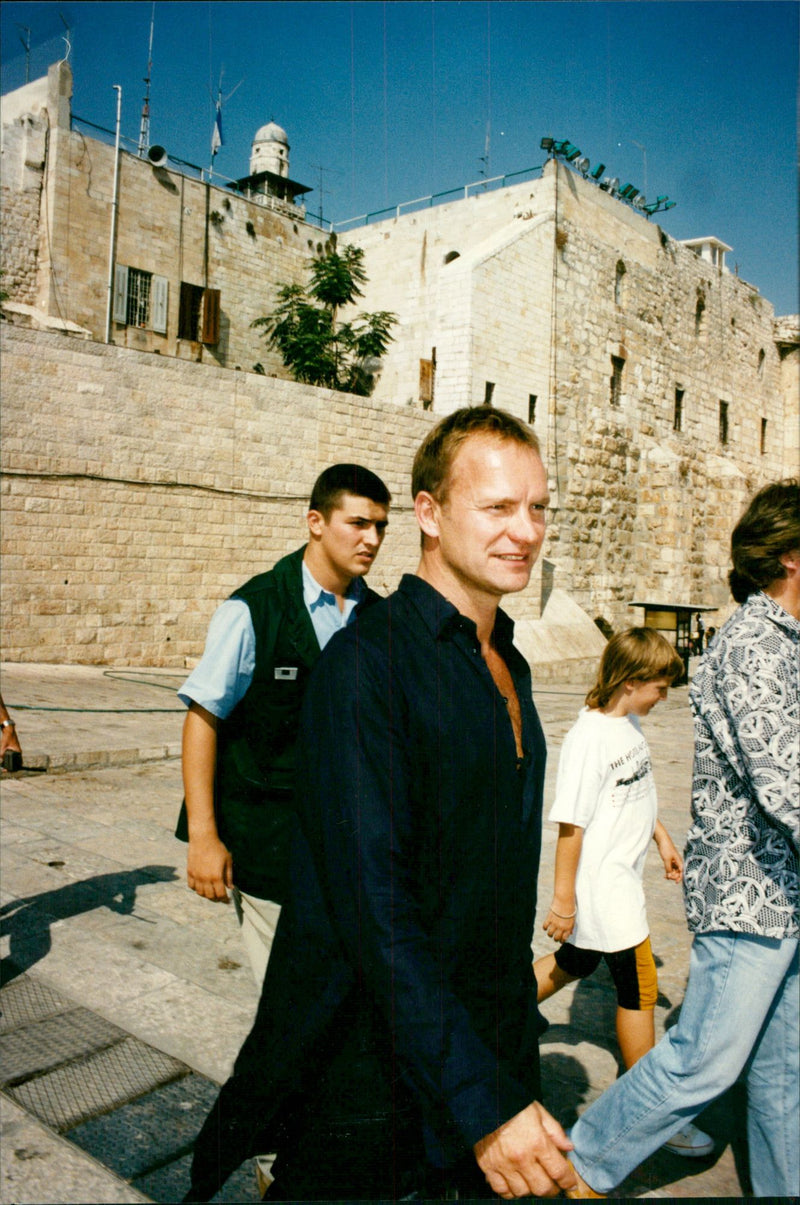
(159, 292)
(210, 324)
(426, 380)
(119, 308)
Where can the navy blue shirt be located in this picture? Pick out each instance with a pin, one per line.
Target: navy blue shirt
(424, 830)
(400, 987)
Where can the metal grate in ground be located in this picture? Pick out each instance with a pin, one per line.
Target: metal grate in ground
(95, 1084)
(34, 1049)
(24, 1000)
(129, 1106)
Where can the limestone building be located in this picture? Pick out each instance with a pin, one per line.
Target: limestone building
(661, 386)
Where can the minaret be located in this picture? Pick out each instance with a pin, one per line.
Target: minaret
(270, 151)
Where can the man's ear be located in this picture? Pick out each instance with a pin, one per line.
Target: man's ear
(791, 560)
(316, 522)
(426, 508)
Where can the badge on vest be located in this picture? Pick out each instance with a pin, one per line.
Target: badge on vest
(287, 673)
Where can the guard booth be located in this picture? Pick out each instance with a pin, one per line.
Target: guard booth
(674, 620)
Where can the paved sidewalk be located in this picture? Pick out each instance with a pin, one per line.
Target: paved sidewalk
(111, 957)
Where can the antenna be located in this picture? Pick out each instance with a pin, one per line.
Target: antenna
(67, 39)
(484, 158)
(144, 129)
(318, 167)
(26, 42)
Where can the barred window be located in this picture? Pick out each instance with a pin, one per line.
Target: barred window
(138, 309)
(140, 298)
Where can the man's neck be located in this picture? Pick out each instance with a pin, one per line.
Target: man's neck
(480, 608)
(325, 574)
(786, 593)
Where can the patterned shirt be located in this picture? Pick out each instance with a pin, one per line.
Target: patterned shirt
(741, 861)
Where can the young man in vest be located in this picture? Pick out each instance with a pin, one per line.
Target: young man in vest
(244, 701)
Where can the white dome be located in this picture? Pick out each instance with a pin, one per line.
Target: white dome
(271, 132)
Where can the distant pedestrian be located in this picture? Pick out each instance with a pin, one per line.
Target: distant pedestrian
(10, 748)
(740, 1011)
(605, 806)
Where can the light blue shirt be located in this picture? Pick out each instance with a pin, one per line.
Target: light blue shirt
(223, 675)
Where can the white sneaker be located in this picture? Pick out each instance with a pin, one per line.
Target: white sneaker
(690, 1142)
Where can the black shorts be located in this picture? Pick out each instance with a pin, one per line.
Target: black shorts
(633, 971)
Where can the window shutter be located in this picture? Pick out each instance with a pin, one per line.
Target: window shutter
(210, 326)
(426, 380)
(158, 304)
(119, 310)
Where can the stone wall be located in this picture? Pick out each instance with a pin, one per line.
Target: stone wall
(471, 279)
(622, 469)
(19, 244)
(23, 140)
(139, 490)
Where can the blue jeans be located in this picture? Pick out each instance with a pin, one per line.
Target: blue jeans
(740, 1013)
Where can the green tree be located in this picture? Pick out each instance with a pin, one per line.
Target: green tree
(305, 330)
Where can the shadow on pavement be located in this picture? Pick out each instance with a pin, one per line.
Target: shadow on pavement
(27, 921)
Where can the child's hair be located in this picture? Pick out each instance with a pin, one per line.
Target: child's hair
(638, 653)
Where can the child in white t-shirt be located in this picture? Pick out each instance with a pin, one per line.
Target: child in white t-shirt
(605, 806)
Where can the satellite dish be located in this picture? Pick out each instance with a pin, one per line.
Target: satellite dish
(157, 155)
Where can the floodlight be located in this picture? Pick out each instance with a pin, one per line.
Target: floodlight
(582, 165)
(628, 191)
(610, 184)
(570, 152)
(598, 171)
(546, 144)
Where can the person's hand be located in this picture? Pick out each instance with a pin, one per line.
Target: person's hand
(558, 927)
(673, 862)
(209, 868)
(524, 1157)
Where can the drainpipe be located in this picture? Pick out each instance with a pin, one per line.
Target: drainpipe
(114, 209)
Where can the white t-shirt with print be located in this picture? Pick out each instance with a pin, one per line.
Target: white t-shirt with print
(606, 787)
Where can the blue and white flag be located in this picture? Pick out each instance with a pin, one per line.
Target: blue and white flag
(216, 138)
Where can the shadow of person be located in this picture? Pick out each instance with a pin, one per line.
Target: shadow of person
(564, 1085)
(27, 921)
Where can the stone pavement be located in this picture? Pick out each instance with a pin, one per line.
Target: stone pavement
(126, 997)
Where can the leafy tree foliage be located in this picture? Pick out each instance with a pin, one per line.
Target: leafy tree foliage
(314, 345)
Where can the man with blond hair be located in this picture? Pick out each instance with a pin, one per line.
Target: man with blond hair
(397, 1031)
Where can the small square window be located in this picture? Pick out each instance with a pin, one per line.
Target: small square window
(532, 399)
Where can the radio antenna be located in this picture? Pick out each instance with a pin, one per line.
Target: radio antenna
(144, 129)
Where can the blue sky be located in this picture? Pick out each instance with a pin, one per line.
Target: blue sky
(394, 100)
